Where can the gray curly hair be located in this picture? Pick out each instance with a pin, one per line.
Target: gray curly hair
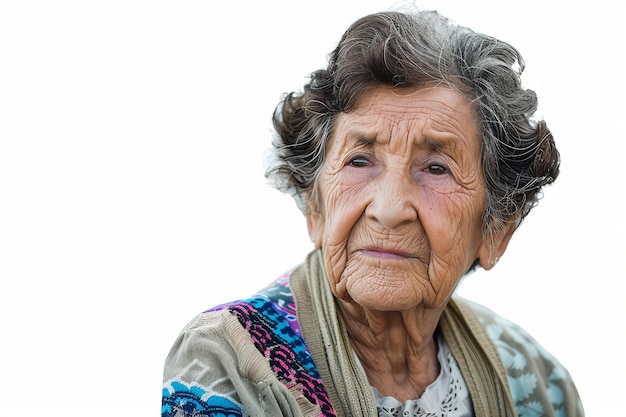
(405, 49)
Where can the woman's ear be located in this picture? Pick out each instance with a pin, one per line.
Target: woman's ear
(494, 246)
(315, 224)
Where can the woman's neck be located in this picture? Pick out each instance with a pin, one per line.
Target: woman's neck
(397, 350)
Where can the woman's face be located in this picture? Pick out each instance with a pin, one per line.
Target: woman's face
(401, 195)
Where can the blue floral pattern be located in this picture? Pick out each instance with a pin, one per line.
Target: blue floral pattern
(182, 400)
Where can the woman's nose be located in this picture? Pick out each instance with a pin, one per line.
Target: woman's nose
(393, 200)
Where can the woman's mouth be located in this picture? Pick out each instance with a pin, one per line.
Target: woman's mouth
(385, 254)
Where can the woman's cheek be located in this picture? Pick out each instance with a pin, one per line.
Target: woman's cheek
(454, 229)
(335, 261)
(343, 207)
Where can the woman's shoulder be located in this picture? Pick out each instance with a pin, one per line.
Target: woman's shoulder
(230, 354)
(531, 369)
(272, 308)
(517, 348)
(508, 336)
(274, 300)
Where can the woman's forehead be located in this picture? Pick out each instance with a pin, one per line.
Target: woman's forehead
(425, 115)
(395, 102)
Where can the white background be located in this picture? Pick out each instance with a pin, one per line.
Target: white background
(132, 193)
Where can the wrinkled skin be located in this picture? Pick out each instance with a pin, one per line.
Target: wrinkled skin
(401, 196)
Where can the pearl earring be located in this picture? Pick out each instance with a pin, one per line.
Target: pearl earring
(493, 262)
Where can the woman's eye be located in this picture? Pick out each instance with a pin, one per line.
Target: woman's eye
(437, 169)
(359, 162)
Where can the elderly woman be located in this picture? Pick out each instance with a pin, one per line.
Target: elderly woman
(414, 156)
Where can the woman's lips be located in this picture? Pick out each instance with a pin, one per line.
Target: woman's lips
(385, 254)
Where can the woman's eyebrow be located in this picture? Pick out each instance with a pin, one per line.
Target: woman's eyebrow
(362, 139)
(439, 142)
(448, 143)
(359, 139)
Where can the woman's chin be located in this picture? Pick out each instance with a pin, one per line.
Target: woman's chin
(384, 298)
